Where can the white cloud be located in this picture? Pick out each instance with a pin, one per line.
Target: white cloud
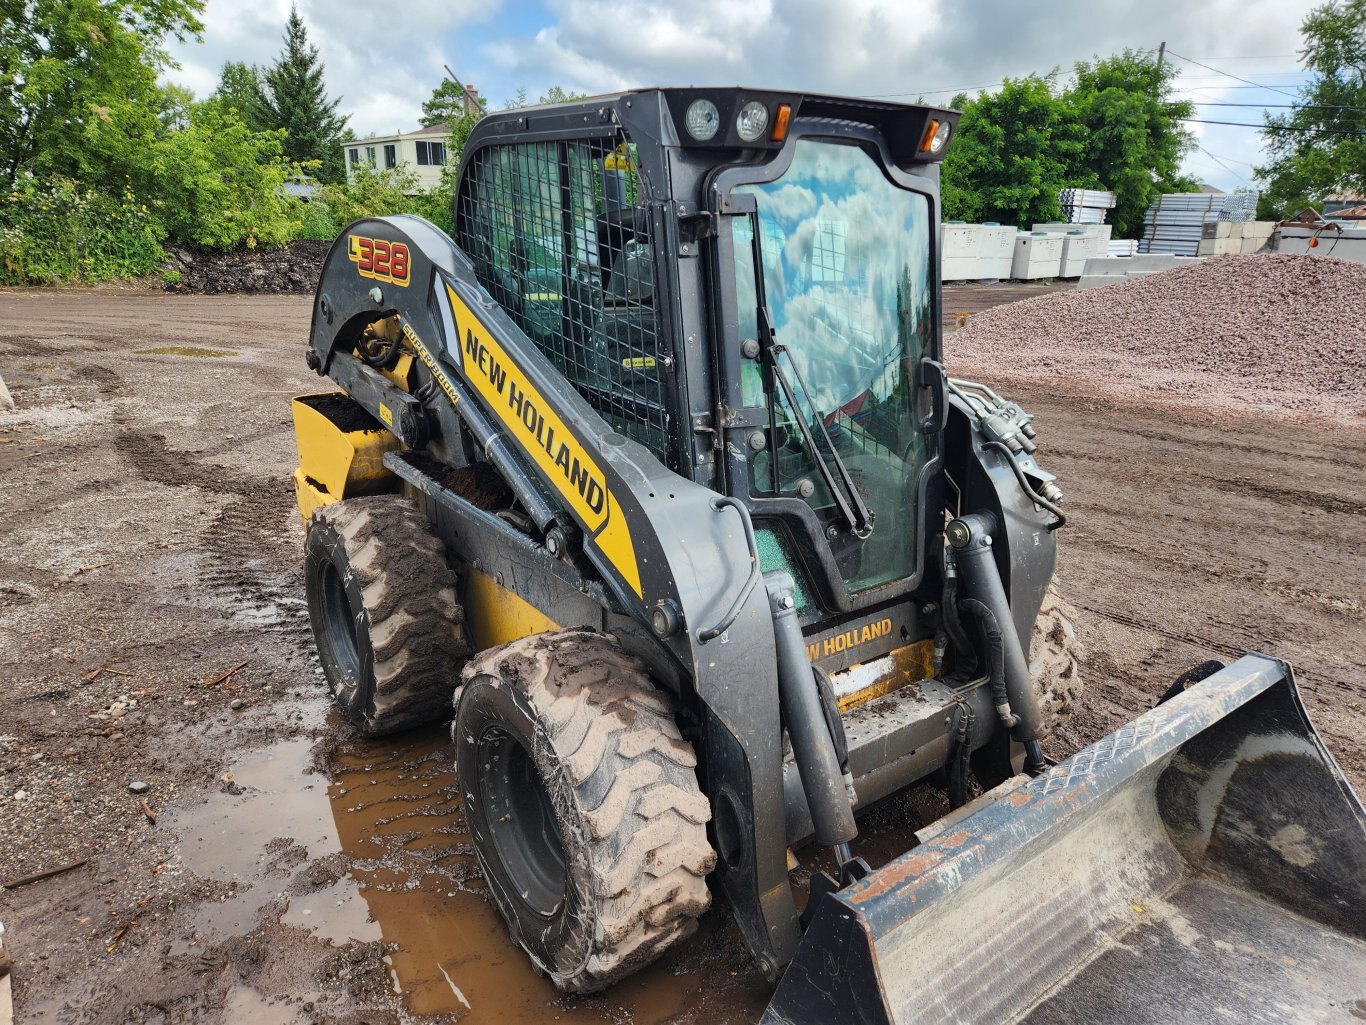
(384, 60)
(381, 61)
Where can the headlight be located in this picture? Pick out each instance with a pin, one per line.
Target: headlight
(702, 120)
(752, 121)
(940, 138)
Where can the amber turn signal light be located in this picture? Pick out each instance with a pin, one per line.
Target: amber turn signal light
(931, 127)
(782, 117)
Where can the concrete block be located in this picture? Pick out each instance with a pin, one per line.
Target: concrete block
(1235, 229)
(1216, 229)
(1100, 231)
(1205, 247)
(1227, 246)
(1113, 270)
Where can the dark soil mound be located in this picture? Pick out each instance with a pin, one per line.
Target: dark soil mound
(293, 270)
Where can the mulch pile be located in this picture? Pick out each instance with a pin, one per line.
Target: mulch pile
(1268, 333)
(293, 270)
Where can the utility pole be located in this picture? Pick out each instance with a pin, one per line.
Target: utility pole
(1161, 52)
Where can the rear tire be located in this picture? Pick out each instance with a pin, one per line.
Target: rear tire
(386, 621)
(582, 801)
(1055, 658)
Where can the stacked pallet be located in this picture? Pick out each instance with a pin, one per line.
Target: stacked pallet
(1086, 206)
(1175, 223)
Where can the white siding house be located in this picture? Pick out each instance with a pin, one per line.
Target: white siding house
(421, 153)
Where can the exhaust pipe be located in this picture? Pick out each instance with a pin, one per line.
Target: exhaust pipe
(970, 537)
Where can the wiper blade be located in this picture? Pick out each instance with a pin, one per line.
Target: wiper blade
(851, 505)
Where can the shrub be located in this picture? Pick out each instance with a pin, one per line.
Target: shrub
(372, 194)
(317, 222)
(57, 231)
(222, 183)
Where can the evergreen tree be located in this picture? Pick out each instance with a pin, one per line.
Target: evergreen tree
(447, 105)
(296, 101)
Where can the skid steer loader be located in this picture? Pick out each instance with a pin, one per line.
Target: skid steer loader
(654, 468)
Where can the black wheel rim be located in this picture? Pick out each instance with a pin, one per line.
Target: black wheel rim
(339, 625)
(521, 822)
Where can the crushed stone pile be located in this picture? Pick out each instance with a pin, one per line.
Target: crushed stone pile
(293, 270)
(1267, 333)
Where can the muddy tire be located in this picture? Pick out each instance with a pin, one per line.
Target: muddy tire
(1055, 658)
(581, 798)
(386, 620)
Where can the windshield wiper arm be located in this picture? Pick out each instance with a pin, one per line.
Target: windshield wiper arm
(850, 502)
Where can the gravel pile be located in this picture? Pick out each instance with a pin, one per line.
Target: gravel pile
(293, 270)
(1270, 333)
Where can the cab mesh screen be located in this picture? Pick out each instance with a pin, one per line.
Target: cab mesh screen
(561, 237)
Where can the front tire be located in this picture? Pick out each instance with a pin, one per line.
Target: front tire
(582, 801)
(385, 617)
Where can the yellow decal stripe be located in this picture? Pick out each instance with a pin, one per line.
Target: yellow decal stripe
(430, 361)
(545, 437)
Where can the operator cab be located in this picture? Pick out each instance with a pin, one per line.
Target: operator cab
(746, 284)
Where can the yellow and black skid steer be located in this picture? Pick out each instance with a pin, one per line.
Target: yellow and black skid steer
(654, 470)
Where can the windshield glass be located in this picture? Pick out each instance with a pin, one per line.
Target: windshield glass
(846, 274)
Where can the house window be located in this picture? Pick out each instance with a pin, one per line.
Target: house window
(355, 155)
(431, 154)
(390, 156)
(370, 156)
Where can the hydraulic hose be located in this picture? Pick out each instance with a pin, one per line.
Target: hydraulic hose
(813, 747)
(971, 537)
(960, 755)
(993, 642)
(965, 665)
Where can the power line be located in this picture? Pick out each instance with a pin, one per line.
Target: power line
(1273, 128)
(933, 92)
(1223, 165)
(1229, 74)
(1277, 106)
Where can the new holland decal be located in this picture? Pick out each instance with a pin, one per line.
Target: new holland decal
(545, 437)
(853, 638)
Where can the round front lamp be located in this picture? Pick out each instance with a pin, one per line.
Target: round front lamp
(702, 120)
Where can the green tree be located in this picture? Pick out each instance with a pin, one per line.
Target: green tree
(296, 101)
(557, 94)
(1014, 150)
(1134, 136)
(446, 105)
(219, 184)
(243, 87)
(1319, 148)
(78, 91)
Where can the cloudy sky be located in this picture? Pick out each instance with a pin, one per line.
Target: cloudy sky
(384, 59)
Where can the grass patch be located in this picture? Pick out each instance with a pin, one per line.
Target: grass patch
(185, 350)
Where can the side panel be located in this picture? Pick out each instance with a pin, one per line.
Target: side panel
(495, 615)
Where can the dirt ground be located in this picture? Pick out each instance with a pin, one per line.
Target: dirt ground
(152, 630)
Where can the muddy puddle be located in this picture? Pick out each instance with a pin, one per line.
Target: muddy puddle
(376, 849)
